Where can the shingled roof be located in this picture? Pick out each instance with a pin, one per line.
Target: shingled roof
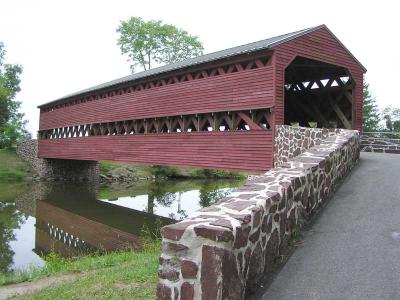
(214, 56)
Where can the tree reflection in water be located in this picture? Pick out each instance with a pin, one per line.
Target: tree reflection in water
(10, 219)
(159, 193)
(211, 193)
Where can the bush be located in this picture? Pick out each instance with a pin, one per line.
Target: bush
(105, 167)
(209, 173)
(163, 171)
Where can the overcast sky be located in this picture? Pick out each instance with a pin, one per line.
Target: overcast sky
(66, 46)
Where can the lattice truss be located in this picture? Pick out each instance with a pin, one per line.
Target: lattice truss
(328, 101)
(205, 72)
(259, 119)
(64, 237)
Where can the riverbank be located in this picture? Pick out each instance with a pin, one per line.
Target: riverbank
(101, 275)
(122, 172)
(12, 167)
(24, 211)
(123, 275)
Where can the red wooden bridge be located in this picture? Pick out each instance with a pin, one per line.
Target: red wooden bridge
(214, 111)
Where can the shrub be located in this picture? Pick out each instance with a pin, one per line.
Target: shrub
(164, 171)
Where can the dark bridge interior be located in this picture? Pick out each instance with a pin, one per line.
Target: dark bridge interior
(318, 94)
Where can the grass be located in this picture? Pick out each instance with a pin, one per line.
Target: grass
(11, 166)
(118, 275)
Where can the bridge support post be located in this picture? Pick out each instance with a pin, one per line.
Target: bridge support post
(70, 170)
(57, 169)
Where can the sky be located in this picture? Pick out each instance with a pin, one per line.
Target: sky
(66, 46)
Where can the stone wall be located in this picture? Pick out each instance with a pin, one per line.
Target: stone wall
(291, 141)
(222, 252)
(57, 169)
(382, 145)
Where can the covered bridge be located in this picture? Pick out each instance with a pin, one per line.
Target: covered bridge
(218, 110)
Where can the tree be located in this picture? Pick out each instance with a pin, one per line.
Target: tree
(13, 131)
(391, 115)
(152, 42)
(12, 125)
(371, 114)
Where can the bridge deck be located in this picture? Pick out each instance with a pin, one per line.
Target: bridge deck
(350, 252)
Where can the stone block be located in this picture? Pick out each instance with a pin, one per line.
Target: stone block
(218, 234)
(189, 269)
(163, 292)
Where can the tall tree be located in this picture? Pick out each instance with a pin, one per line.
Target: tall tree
(148, 43)
(370, 111)
(12, 125)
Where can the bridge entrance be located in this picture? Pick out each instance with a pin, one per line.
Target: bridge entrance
(318, 94)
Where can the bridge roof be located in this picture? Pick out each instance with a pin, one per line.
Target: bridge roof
(210, 57)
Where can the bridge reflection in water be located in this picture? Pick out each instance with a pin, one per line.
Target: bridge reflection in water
(71, 220)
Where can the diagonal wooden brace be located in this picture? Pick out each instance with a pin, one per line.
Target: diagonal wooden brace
(249, 121)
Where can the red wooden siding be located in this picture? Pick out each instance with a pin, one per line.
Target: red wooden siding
(319, 45)
(234, 150)
(249, 89)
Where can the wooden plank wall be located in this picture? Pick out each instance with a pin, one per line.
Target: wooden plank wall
(318, 45)
(243, 90)
(248, 89)
(232, 150)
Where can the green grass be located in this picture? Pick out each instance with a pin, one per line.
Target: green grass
(11, 166)
(118, 275)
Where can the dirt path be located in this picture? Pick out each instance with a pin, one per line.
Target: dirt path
(24, 288)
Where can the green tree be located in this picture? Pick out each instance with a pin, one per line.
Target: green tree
(371, 114)
(151, 42)
(391, 115)
(12, 125)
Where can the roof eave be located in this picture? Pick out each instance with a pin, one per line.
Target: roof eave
(270, 46)
(331, 33)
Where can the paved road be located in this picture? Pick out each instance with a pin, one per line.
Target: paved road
(352, 251)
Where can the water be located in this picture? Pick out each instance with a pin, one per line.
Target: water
(72, 219)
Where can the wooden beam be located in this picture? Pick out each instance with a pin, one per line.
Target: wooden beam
(305, 109)
(339, 112)
(348, 96)
(323, 90)
(319, 116)
(249, 121)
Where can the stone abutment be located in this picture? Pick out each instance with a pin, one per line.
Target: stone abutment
(57, 169)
